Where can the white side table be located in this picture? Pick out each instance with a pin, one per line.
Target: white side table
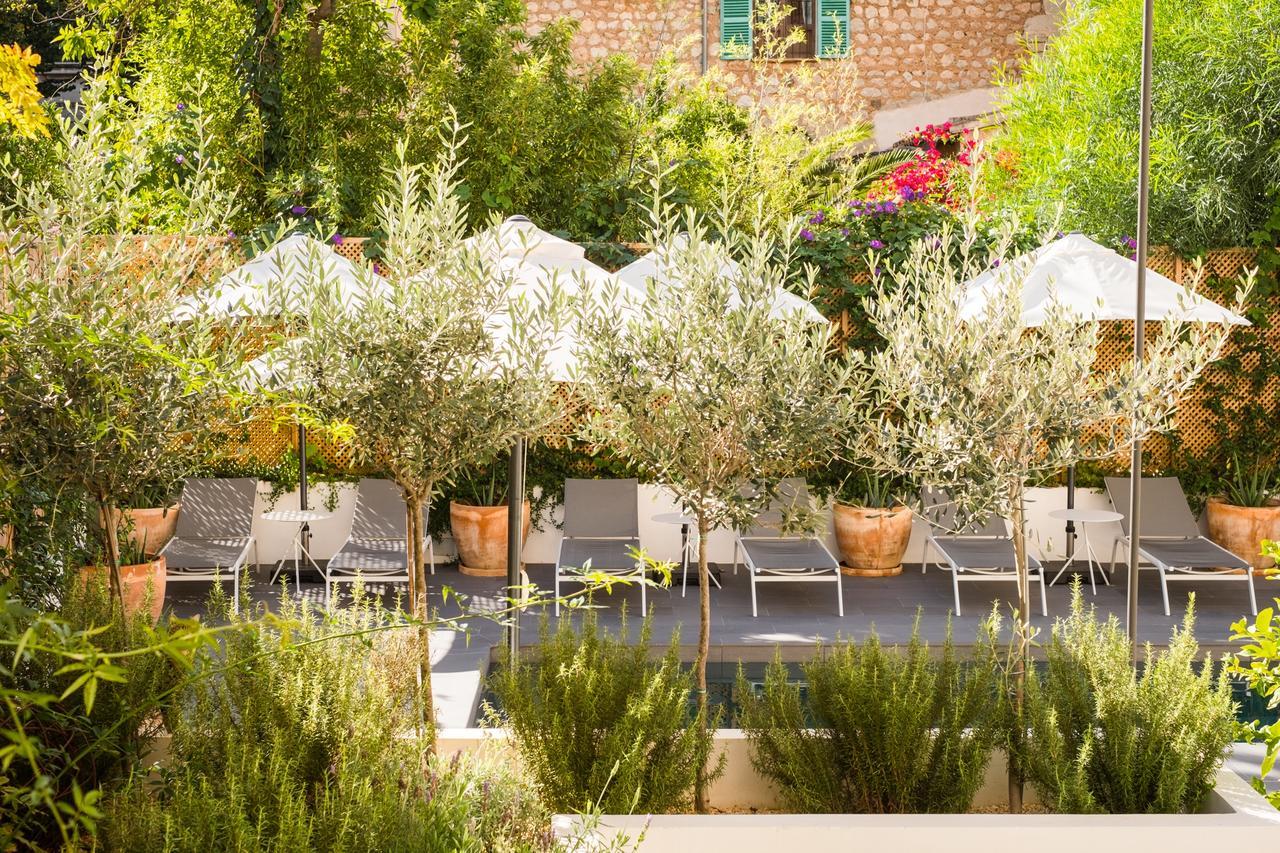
(1085, 517)
(300, 517)
(688, 543)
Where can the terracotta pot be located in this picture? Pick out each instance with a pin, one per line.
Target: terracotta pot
(1241, 529)
(135, 581)
(872, 541)
(153, 525)
(480, 534)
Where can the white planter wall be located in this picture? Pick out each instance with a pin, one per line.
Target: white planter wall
(662, 541)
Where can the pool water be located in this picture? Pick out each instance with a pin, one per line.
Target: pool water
(722, 687)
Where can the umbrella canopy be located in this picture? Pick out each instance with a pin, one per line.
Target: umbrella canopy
(1090, 281)
(533, 260)
(639, 272)
(274, 282)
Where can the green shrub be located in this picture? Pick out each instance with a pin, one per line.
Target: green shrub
(1103, 737)
(596, 720)
(887, 730)
(300, 735)
(1070, 134)
(1258, 663)
(79, 696)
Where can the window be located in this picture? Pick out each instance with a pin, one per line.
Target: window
(823, 23)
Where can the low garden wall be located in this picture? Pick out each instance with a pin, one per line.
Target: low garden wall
(1233, 815)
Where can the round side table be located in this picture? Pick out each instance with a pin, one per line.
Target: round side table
(1085, 517)
(687, 544)
(302, 518)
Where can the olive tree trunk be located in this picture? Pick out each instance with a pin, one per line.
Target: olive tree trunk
(1022, 647)
(108, 513)
(419, 609)
(704, 651)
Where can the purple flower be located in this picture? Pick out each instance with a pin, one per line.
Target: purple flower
(179, 159)
(377, 270)
(859, 212)
(844, 232)
(1061, 234)
(1130, 243)
(876, 244)
(817, 218)
(806, 234)
(230, 233)
(995, 263)
(298, 210)
(890, 207)
(854, 204)
(337, 239)
(181, 107)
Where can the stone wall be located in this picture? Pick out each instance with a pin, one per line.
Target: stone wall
(903, 51)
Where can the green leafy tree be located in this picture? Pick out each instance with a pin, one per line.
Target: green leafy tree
(100, 390)
(708, 391)
(415, 379)
(982, 407)
(1070, 133)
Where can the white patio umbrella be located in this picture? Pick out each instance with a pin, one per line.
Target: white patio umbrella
(273, 283)
(1075, 274)
(1094, 283)
(653, 266)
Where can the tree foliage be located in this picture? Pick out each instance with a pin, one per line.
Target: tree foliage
(1070, 137)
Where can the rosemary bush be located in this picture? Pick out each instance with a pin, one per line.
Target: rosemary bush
(597, 721)
(887, 730)
(1103, 737)
(78, 700)
(301, 736)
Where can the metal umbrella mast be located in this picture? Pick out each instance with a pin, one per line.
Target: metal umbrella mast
(1139, 320)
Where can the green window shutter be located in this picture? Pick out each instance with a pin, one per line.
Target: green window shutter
(735, 29)
(833, 29)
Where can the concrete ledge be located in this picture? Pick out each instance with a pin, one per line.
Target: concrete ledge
(1238, 818)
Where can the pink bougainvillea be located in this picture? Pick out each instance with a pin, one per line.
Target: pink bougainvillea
(927, 175)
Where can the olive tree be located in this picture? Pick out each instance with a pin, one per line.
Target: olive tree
(441, 368)
(709, 390)
(983, 408)
(99, 389)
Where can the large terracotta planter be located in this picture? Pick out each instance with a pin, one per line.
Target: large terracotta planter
(135, 581)
(480, 534)
(152, 525)
(872, 541)
(1241, 529)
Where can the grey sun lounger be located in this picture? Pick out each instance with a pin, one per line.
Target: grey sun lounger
(377, 548)
(214, 533)
(772, 556)
(979, 552)
(601, 532)
(1170, 538)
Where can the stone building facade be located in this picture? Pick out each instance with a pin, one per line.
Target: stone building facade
(914, 61)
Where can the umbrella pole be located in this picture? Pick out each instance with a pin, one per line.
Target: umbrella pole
(305, 532)
(515, 519)
(1139, 327)
(1071, 504)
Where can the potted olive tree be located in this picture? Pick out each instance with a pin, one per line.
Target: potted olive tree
(1247, 513)
(102, 391)
(712, 392)
(982, 408)
(873, 525)
(417, 380)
